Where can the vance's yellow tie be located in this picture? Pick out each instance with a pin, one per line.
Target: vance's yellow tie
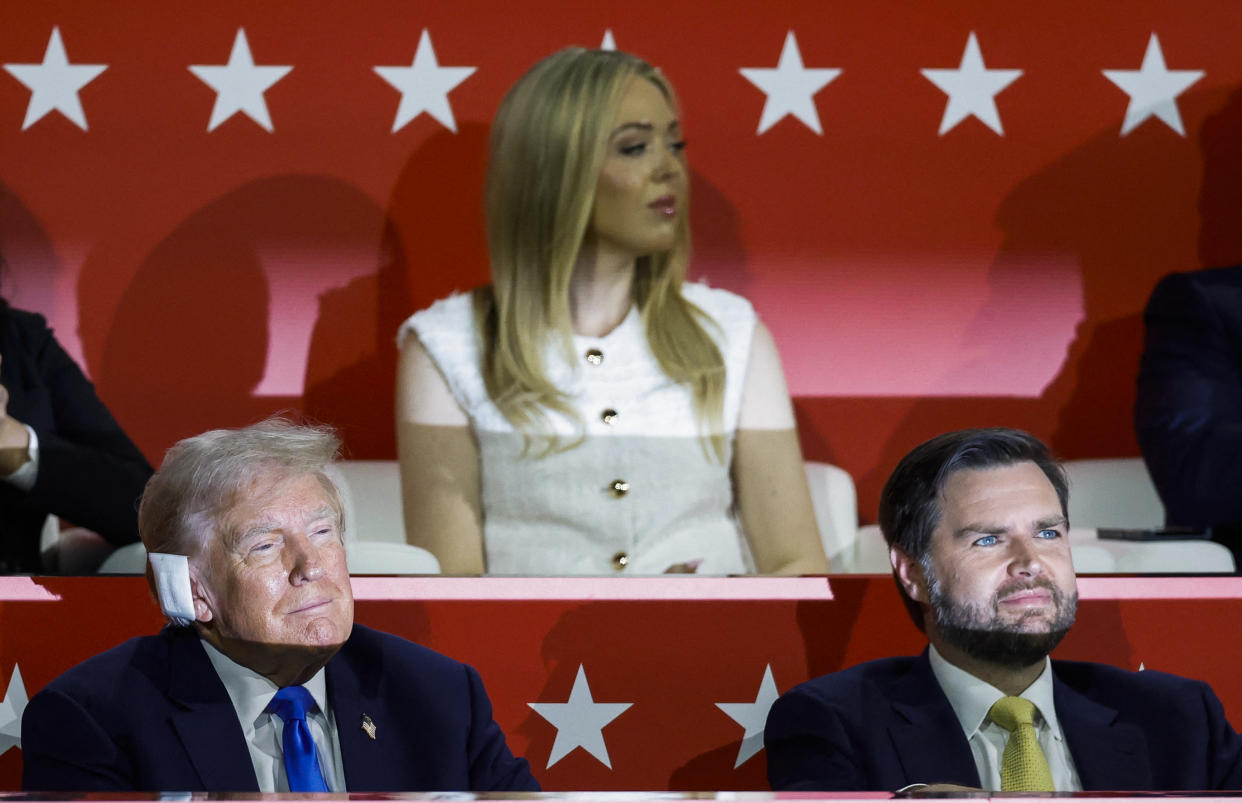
(1024, 767)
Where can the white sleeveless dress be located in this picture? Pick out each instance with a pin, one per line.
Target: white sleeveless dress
(641, 492)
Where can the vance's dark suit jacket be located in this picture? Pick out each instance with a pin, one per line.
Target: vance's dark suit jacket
(1188, 407)
(885, 724)
(152, 714)
(89, 471)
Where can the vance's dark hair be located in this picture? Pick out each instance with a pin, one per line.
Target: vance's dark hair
(910, 501)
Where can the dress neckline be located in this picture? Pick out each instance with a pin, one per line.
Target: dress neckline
(627, 323)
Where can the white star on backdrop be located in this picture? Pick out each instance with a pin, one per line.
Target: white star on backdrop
(608, 43)
(11, 708)
(790, 87)
(1153, 89)
(971, 88)
(752, 717)
(240, 85)
(55, 83)
(579, 722)
(424, 86)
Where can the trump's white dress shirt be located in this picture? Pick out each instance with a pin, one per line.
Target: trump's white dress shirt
(251, 693)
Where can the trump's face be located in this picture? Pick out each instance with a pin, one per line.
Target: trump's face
(272, 588)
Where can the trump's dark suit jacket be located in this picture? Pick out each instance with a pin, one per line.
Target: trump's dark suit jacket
(885, 724)
(152, 714)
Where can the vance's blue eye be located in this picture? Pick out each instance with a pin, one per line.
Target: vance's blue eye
(987, 540)
(1049, 534)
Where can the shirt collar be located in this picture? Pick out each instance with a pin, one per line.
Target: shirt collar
(972, 698)
(251, 692)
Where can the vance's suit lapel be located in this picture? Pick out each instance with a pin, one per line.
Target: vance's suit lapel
(206, 722)
(926, 733)
(1109, 755)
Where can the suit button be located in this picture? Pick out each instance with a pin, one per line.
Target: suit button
(608, 416)
(619, 488)
(594, 356)
(620, 561)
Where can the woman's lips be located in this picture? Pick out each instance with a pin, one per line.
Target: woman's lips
(666, 205)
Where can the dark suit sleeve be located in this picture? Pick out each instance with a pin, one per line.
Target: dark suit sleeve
(492, 767)
(1189, 406)
(808, 748)
(90, 473)
(65, 749)
(1188, 410)
(1224, 744)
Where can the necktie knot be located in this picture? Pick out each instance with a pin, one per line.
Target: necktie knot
(291, 703)
(1011, 712)
(301, 763)
(1024, 767)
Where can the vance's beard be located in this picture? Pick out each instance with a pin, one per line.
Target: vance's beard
(982, 634)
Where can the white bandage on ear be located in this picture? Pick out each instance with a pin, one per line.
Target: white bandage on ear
(172, 586)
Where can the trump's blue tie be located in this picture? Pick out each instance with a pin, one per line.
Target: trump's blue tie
(301, 763)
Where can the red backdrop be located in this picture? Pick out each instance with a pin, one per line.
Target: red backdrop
(915, 281)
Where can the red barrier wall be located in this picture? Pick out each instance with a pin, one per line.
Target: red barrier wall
(674, 648)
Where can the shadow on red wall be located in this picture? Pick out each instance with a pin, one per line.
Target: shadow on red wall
(189, 345)
(433, 244)
(28, 264)
(1124, 229)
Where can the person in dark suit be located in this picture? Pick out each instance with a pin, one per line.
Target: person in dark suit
(1188, 406)
(61, 451)
(263, 682)
(977, 532)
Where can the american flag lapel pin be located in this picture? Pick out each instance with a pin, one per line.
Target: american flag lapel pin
(368, 727)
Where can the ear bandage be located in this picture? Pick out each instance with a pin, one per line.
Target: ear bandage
(172, 586)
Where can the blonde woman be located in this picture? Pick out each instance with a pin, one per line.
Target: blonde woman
(588, 412)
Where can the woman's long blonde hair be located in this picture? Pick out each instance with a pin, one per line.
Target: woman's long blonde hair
(548, 143)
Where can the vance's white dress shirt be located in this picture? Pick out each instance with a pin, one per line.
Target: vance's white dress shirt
(971, 699)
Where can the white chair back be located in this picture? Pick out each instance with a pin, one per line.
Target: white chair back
(129, 559)
(1113, 492)
(371, 491)
(381, 557)
(870, 552)
(836, 511)
(1148, 557)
